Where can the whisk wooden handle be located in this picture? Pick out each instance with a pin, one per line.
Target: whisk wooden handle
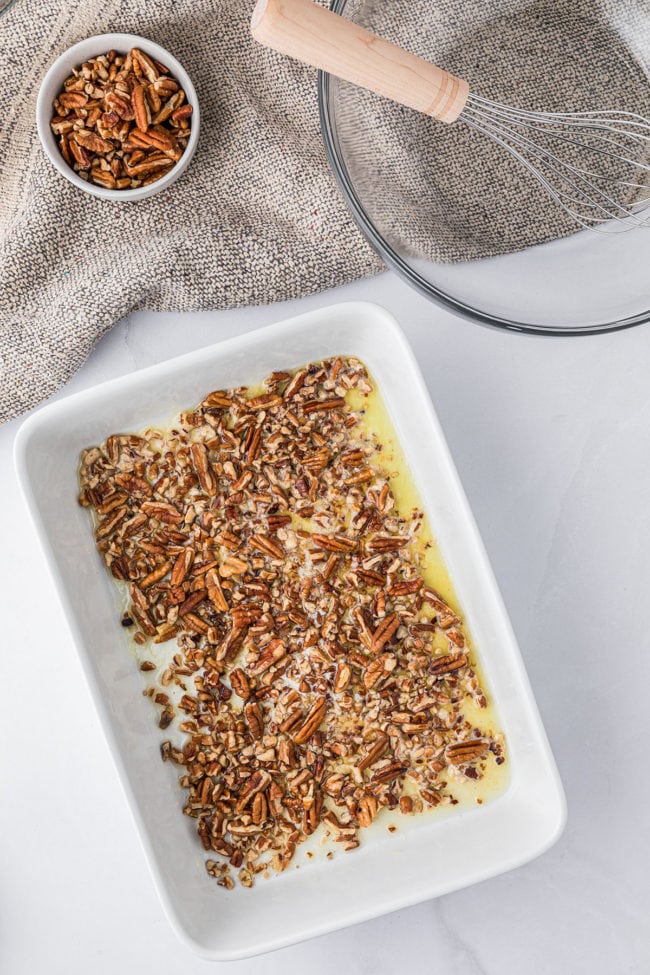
(316, 36)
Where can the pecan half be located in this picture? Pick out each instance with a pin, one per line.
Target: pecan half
(268, 546)
(469, 750)
(319, 405)
(389, 772)
(375, 753)
(147, 66)
(140, 107)
(204, 472)
(240, 683)
(254, 719)
(384, 632)
(182, 566)
(334, 543)
(94, 143)
(447, 664)
(314, 718)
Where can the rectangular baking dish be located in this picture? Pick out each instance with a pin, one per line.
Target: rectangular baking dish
(432, 856)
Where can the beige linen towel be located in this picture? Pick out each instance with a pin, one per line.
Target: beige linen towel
(256, 218)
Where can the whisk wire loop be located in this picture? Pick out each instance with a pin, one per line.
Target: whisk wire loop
(601, 181)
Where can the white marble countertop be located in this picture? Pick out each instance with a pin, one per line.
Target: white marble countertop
(550, 437)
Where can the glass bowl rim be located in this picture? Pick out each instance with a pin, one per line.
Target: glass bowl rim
(402, 268)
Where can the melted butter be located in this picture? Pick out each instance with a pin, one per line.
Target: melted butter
(375, 423)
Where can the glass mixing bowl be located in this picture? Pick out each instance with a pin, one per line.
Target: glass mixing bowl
(455, 215)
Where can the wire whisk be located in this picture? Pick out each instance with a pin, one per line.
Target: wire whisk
(595, 165)
(612, 180)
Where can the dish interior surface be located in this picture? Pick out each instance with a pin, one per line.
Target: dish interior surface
(454, 213)
(432, 854)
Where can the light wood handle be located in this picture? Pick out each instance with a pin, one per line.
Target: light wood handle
(316, 36)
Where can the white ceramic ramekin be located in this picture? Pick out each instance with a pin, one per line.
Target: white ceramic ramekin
(428, 855)
(52, 84)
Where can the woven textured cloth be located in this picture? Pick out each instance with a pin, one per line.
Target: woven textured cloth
(447, 193)
(257, 217)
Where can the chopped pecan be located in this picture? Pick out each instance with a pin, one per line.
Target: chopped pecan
(445, 615)
(215, 590)
(360, 476)
(343, 677)
(377, 670)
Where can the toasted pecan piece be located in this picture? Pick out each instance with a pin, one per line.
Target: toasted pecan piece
(311, 723)
(120, 105)
(147, 66)
(447, 664)
(73, 99)
(80, 155)
(180, 113)
(92, 142)
(462, 752)
(103, 178)
(140, 108)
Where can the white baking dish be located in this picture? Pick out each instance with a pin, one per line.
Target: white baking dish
(428, 858)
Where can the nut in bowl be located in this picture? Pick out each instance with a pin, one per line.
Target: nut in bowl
(118, 116)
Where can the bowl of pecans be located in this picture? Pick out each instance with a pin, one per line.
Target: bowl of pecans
(118, 116)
